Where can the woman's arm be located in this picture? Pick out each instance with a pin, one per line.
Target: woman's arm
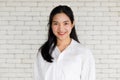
(37, 67)
(88, 70)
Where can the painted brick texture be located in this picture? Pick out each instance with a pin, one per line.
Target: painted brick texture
(23, 29)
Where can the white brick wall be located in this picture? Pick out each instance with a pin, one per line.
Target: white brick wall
(23, 28)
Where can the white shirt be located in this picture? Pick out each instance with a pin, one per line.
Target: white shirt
(74, 63)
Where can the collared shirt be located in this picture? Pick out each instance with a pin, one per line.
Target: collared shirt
(74, 63)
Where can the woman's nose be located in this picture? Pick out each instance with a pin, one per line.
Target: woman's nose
(61, 28)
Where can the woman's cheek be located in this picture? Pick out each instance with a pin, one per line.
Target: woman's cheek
(68, 28)
(54, 28)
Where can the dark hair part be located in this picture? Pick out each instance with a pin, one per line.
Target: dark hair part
(48, 47)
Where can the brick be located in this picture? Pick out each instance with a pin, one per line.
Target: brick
(14, 32)
(29, 51)
(112, 14)
(27, 61)
(3, 78)
(92, 4)
(23, 65)
(85, 9)
(115, 47)
(16, 23)
(93, 32)
(4, 56)
(102, 19)
(14, 51)
(41, 9)
(91, 23)
(3, 23)
(108, 71)
(110, 23)
(102, 66)
(76, 4)
(23, 46)
(114, 56)
(22, 28)
(115, 9)
(17, 13)
(35, 13)
(101, 9)
(14, 42)
(13, 4)
(20, 56)
(85, 0)
(4, 13)
(7, 27)
(110, 61)
(8, 18)
(22, 9)
(93, 42)
(115, 19)
(111, 42)
(30, 42)
(97, 14)
(2, 4)
(5, 65)
(86, 19)
(12, 61)
(21, 37)
(111, 4)
(7, 9)
(101, 28)
(115, 75)
(3, 32)
(16, 78)
(29, 32)
(3, 51)
(41, 4)
(31, 23)
(109, 51)
(102, 47)
(2, 61)
(85, 28)
(15, 70)
(7, 47)
(28, 70)
(28, 78)
(29, 4)
(24, 18)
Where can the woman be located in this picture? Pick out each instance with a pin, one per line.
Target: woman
(62, 57)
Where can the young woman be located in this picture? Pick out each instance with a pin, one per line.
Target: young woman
(62, 57)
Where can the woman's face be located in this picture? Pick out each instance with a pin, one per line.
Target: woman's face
(62, 26)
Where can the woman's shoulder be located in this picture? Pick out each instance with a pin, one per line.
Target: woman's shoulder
(81, 49)
(39, 55)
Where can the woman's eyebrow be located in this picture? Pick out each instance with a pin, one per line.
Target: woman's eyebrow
(66, 21)
(63, 21)
(54, 21)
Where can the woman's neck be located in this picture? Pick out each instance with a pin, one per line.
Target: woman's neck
(62, 44)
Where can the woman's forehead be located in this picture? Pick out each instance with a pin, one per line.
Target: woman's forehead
(61, 17)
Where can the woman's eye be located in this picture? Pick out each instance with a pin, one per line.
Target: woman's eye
(66, 23)
(55, 24)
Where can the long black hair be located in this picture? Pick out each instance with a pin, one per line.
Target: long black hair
(48, 47)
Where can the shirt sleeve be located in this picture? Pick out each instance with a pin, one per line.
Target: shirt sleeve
(37, 67)
(88, 69)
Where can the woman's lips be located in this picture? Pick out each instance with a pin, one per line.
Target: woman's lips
(61, 33)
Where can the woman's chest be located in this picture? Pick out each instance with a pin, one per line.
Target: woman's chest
(69, 67)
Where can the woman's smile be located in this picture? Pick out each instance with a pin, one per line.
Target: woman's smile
(61, 33)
